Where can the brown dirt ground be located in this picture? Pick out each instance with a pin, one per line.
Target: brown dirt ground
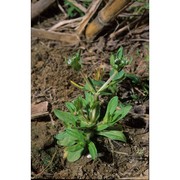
(50, 81)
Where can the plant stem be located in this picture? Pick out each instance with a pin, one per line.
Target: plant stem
(95, 109)
(104, 86)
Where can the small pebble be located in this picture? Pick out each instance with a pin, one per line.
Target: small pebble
(99, 155)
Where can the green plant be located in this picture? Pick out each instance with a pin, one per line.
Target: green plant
(85, 120)
(141, 7)
(75, 61)
(72, 10)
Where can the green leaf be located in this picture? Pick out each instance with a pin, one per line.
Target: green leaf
(76, 134)
(94, 104)
(101, 126)
(112, 58)
(118, 61)
(89, 86)
(111, 108)
(60, 136)
(105, 93)
(97, 83)
(75, 61)
(135, 79)
(119, 75)
(112, 87)
(72, 10)
(91, 83)
(84, 102)
(64, 139)
(67, 141)
(98, 112)
(120, 53)
(112, 105)
(92, 150)
(90, 100)
(75, 147)
(75, 155)
(78, 103)
(120, 114)
(125, 110)
(66, 117)
(70, 107)
(114, 135)
(86, 125)
(69, 11)
(111, 72)
(88, 97)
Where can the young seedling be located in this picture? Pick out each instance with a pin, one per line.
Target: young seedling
(85, 120)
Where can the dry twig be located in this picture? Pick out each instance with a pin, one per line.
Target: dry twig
(82, 8)
(61, 8)
(61, 23)
(66, 38)
(121, 30)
